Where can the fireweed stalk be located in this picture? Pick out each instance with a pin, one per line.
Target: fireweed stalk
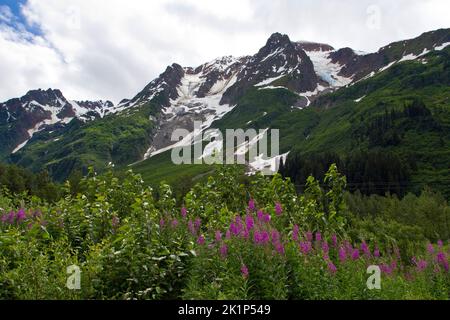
(255, 228)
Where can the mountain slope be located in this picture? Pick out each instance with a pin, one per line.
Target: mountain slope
(112, 139)
(21, 118)
(404, 111)
(353, 119)
(270, 89)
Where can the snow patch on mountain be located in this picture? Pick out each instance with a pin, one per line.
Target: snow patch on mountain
(326, 69)
(442, 46)
(189, 107)
(269, 81)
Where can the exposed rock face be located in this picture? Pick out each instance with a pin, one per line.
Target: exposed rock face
(222, 69)
(164, 88)
(278, 58)
(313, 46)
(208, 91)
(358, 66)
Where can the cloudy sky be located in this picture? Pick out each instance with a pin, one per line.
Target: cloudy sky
(110, 49)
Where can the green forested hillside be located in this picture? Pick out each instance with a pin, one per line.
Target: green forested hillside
(119, 139)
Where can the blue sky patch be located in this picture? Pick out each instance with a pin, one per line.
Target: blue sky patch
(17, 19)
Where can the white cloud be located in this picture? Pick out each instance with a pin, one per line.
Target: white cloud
(110, 49)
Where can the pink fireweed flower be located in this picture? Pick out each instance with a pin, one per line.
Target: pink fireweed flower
(174, 223)
(257, 237)
(309, 236)
(295, 233)
(267, 218)
(218, 236)
(183, 212)
(385, 269)
(430, 248)
(11, 217)
(278, 209)
(223, 250)
(279, 247)
(20, 216)
(325, 247)
(191, 227)
(440, 243)
(348, 246)
(334, 241)
(265, 237)
(421, 265)
(331, 267)
(228, 234)
(442, 260)
(275, 235)
(197, 223)
(235, 228)
(249, 222)
(365, 249)
(244, 271)
(251, 205)
(201, 240)
(342, 254)
(4, 218)
(318, 236)
(355, 254)
(260, 215)
(394, 264)
(161, 222)
(305, 247)
(376, 252)
(261, 237)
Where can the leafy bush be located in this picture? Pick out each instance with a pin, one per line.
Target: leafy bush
(233, 238)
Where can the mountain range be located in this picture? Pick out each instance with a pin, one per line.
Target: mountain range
(321, 98)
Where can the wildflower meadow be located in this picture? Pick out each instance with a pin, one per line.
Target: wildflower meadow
(229, 237)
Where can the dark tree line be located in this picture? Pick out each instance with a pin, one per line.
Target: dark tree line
(372, 172)
(388, 129)
(18, 180)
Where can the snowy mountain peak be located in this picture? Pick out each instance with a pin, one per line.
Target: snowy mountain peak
(40, 109)
(278, 40)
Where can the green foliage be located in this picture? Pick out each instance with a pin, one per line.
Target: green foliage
(16, 180)
(235, 237)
